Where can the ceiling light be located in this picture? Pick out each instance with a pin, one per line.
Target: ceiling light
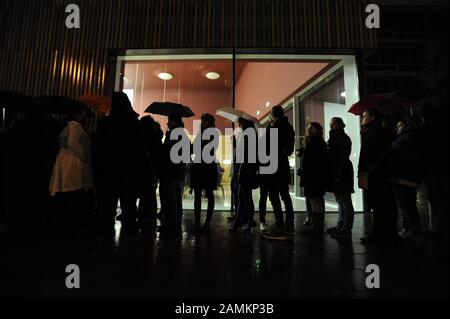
(212, 75)
(267, 104)
(258, 112)
(165, 76)
(343, 94)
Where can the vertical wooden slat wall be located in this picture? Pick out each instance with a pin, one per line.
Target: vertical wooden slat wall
(39, 55)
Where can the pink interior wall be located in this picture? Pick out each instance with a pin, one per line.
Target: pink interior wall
(271, 81)
(199, 101)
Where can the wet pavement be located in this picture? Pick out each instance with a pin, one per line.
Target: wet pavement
(220, 264)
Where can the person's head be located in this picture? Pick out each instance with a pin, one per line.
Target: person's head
(402, 124)
(244, 124)
(147, 123)
(277, 112)
(121, 106)
(336, 123)
(79, 115)
(175, 121)
(371, 116)
(314, 129)
(208, 121)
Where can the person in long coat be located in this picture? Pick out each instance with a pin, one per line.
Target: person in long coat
(151, 138)
(373, 176)
(172, 181)
(339, 150)
(406, 172)
(314, 175)
(204, 176)
(72, 174)
(119, 158)
(247, 179)
(30, 146)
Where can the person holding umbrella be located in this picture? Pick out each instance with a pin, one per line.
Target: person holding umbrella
(172, 173)
(373, 176)
(30, 145)
(172, 180)
(204, 176)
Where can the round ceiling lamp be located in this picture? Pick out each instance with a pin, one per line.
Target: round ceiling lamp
(165, 76)
(212, 75)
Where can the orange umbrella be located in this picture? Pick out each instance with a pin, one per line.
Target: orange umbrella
(99, 102)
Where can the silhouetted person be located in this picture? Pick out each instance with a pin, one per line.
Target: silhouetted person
(406, 173)
(282, 178)
(265, 182)
(204, 176)
(341, 183)
(31, 146)
(435, 137)
(172, 181)
(373, 176)
(3, 143)
(151, 137)
(247, 179)
(118, 161)
(314, 175)
(234, 185)
(72, 176)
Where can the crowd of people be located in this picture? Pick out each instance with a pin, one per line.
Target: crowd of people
(57, 176)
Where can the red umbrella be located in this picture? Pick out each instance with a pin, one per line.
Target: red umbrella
(386, 103)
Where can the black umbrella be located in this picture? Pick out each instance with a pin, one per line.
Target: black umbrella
(61, 105)
(12, 100)
(169, 108)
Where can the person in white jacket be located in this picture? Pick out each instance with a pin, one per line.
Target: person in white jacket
(72, 176)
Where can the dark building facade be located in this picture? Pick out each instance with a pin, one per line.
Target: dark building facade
(41, 56)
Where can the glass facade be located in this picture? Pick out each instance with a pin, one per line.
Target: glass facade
(310, 88)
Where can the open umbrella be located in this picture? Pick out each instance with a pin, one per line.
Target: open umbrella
(98, 102)
(233, 115)
(61, 105)
(169, 108)
(386, 103)
(14, 100)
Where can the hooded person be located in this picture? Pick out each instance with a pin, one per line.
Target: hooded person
(119, 158)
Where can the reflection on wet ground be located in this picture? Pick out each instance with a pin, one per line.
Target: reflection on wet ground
(220, 264)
